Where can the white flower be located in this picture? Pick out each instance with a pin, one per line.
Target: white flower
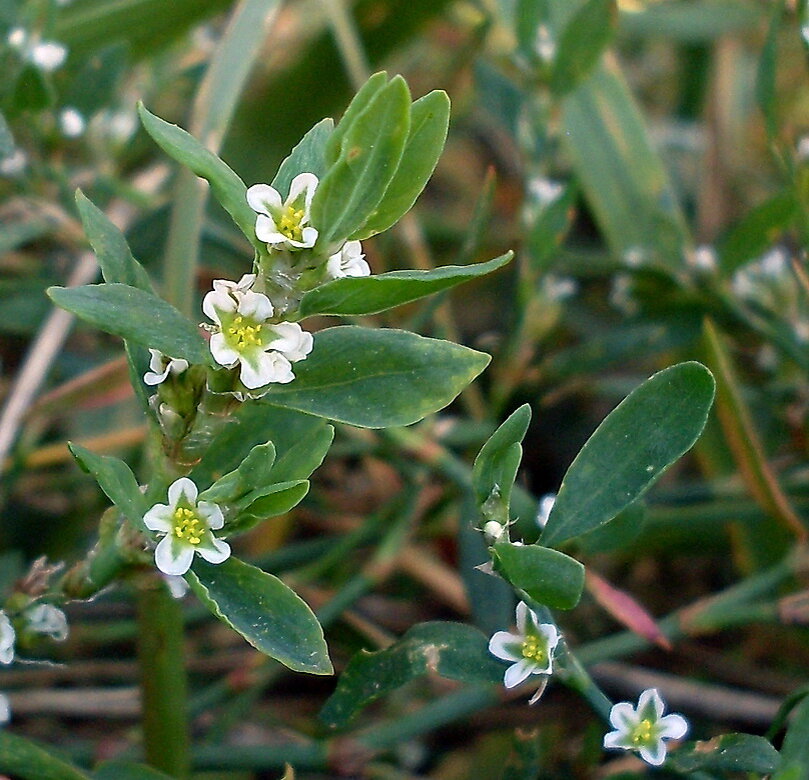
(803, 143)
(187, 525)
(17, 38)
(71, 122)
(493, 531)
(644, 729)
(5, 709)
(285, 224)
(161, 366)
(263, 351)
(531, 648)
(545, 191)
(14, 164)
(48, 56)
(545, 505)
(49, 620)
(544, 44)
(559, 288)
(7, 637)
(635, 257)
(702, 258)
(349, 261)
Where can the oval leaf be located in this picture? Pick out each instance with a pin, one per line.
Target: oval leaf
(650, 429)
(267, 613)
(728, 753)
(377, 378)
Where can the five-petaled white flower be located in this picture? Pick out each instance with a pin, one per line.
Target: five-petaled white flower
(187, 525)
(531, 649)
(5, 709)
(263, 351)
(349, 261)
(285, 224)
(49, 620)
(644, 729)
(161, 366)
(7, 638)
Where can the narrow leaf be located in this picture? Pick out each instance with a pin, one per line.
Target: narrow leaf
(28, 761)
(278, 501)
(795, 750)
(309, 156)
(6, 139)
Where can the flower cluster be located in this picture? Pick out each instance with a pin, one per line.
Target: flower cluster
(44, 619)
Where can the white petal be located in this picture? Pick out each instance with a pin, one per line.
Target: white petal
(654, 754)
(263, 199)
(673, 726)
(173, 558)
(222, 352)
(550, 634)
(7, 639)
(5, 709)
(219, 552)
(506, 646)
(178, 365)
(159, 518)
(182, 487)
(308, 238)
(522, 617)
(306, 183)
(291, 341)
(212, 514)
(49, 620)
(650, 700)
(177, 586)
(267, 230)
(618, 740)
(152, 378)
(216, 301)
(255, 305)
(518, 673)
(623, 716)
(262, 368)
(245, 283)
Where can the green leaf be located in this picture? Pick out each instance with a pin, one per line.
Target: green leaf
(582, 43)
(372, 294)
(137, 315)
(695, 22)
(369, 156)
(795, 749)
(6, 139)
(28, 761)
(309, 156)
(117, 481)
(650, 429)
(253, 472)
(452, 650)
(226, 185)
(32, 92)
(495, 468)
(617, 533)
(528, 16)
(300, 460)
(429, 121)
(549, 228)
(547, 576)
(273, 502)
(766, 86)
(127, 770)
(377, 378)
(728, 753)
(94, 86)
(267, 613)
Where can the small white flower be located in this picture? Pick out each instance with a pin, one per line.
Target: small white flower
(349, 261)
(49, 620)
(544, 511)
(48, 56)
(544, 44)
(285, 224)
(644, 729)
(635, 257)
(186, 525)
(161, 366)
(14, 164)
(71, 122)
(703, 258)
(120, 126)
(5, 709)
(17, 38)
(803, 148)
(7, 638)
(559, 288)
(263, 351)
(545, 191)
(775, 262)
(531, 648)
(493, 531)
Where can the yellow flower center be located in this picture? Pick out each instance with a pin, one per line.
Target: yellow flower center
(187, 525)
(243, 334)
(534, 650)
(290, 223)
(643, 732)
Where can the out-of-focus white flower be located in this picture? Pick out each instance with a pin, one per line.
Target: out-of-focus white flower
(120, 125)
(71, 122)
(17, 38)
(48, 56)
(349, 261)
(161, 366)
(544, 511)
(644, 728)
(7, 639)
(187, 525)
(703, 258)
(621, 294)
(635, 256)
(285, 224)
(177, 586)
(802, 330)
(803, 148)
(13, 165)
(530, 649)
(775, 262)
(544, 44)
(49, 620)
(263, 351)
(559, 288)
(5, 709)
(545, 191)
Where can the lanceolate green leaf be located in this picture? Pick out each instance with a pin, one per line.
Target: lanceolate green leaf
(727, 753)
(547, 576)
(283, 497)
(309, 156)
(369, 156)
(795, 750)
(267, 613)
(372, 294)
(377, 378)
(137, 315)
(28, 761)
(650, 429)
(429, 121)
(227, 187)
(452, 650)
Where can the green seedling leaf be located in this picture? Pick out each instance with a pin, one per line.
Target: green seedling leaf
(495, 468)
(377, 378)
(127, 770)
(452, 650)
(372, 294)
(117, 481)
(795, 750)
(253, 473)
(306, 455)
(547, 576)
(650, 429)
(728, 753)
(267, 613)
(369, 157)
(226, 185)
(6, 138)
(135, 315)
(28, 761)
(271, 503)
(309, 156)
(429, 121)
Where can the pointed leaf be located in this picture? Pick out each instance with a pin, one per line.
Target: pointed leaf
(795, 749)
(28, 761)
(283, 497)
(728, 753)
(309, 156)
